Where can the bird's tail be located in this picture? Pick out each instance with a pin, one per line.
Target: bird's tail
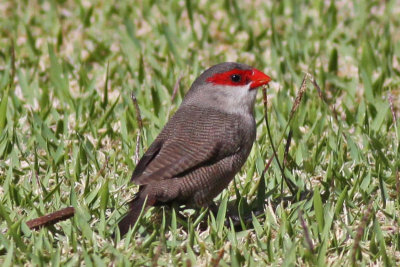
(135, 207)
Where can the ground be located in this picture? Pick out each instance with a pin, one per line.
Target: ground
(69, 130)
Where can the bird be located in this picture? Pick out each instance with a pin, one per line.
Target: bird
(203, 145)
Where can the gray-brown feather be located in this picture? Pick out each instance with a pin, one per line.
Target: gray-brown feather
(196, 155)
(200, 149)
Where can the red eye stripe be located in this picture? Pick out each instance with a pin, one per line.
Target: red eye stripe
(225, 77)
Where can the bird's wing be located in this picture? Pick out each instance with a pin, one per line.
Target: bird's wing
(193, 137)
(150, 154)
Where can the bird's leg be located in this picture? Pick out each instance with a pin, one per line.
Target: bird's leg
(212, 207)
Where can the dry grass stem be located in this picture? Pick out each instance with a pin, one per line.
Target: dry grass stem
(140, 124)
(176, 87)
(215, 261)
(360, 231)
(306, 231)
(101, 171)
(299, 96)
(292, 187)
(288, 141)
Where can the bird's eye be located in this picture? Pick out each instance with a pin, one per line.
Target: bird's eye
(236, 78)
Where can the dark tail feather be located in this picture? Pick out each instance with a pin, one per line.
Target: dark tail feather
(135, 207)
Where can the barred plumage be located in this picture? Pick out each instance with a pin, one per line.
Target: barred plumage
(203, 145)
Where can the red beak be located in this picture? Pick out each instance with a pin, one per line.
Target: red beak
(258, 79)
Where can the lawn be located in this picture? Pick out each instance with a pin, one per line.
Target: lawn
(69, 130)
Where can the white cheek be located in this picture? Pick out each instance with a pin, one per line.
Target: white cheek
(243, 94)
(241, 99)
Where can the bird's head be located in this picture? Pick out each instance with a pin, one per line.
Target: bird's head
(228, 86)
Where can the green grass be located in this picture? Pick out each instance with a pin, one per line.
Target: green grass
(68, 129)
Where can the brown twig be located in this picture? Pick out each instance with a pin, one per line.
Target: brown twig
(306, 232)
(360, 231)
(51, 219)
(140, 124)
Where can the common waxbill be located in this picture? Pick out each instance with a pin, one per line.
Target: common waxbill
(203, 145)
